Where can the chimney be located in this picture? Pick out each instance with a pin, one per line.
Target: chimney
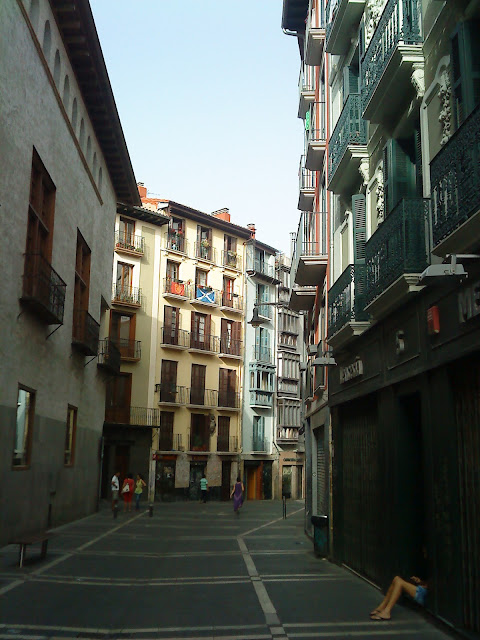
(252, 230)
(223, 214)
(142, 190)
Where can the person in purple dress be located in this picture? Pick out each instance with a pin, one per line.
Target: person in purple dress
(237, 494)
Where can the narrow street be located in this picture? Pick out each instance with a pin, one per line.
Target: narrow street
(191, 571)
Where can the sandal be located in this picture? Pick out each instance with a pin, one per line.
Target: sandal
(378, 618)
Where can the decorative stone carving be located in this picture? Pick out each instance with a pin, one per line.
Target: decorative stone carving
(445, 117)
(418, 80)
(372, 16)
(379, 191)
(364, 171)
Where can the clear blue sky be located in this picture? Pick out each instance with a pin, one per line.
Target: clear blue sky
(207, 96)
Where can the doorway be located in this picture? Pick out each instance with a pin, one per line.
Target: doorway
(197, 469)
(165, 481)
(254, 488)
(226, 479)
(122, 460)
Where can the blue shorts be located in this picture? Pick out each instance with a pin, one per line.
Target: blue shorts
(420, 595)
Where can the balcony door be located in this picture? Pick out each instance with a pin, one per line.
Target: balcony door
(124, 276)
(199, 432)
(227, 386)
(228, 291)
(166, 431)
(168, 388)
(201, 338)
(197, 390)
(127, 230)
(258, 433)
(223, 433)
(118, 398)
(122, 333)
(171, 321)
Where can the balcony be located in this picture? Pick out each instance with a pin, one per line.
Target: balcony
(393, 53)
(171, 394)
(264, 310)
(129, 243)
(204, 251)
(227, 444)
(306, 187)
(86, 332)
(343, 17)
(204, 343)
(133, 416)
(176, 241)
(130, 350)
(230, 348)
(302, 298)
(309, 262)
(287, 434)
(260, 444)
(306, 89)
(261, 269)
(262, 354)
(316, 139)
(168, 441)
(108, 356)
(126, 296)
(395, 256)
(43, 289)
(174, 338)
(315, 35)
(455, 188)
(204, 296)
(346, 306)
(232, 302)
(175, 289)
(261, 399)
(228, 400)
(231, 260)
(201, 397)
(348, 147)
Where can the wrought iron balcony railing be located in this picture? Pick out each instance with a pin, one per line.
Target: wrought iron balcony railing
(169, 392)
(43, 289)
(108, 356)
(260, 398)
(229, 399)
(259, 444)
(202, 397)
(230, 347)
(124, 294)
(317, 131)
(129, 242)
(260, 267)
(455, 179)
(400, 22)
(86, 332)
(232, 301)
(398, 246)
(351, 128)
(311, 236)
(199, 441)
(227, 444)
(129, 349)
(168, 441)
(133, 416)
(231, 259)
(175, 337)
(204, 295)
(262, 354)
(176, 287)
(204, 342)
(346, 298)
(306, 177)
(205, 251)
(176, 241)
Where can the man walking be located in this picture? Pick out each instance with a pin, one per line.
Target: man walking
(115, 489)
(204, 488)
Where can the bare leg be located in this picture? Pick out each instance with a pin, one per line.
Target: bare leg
(398, 587)
(384, 602)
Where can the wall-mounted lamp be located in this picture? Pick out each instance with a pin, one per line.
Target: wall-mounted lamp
(256, 320)
(437, 274)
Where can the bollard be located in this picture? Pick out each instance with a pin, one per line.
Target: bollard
(115, 511)
(150, 510)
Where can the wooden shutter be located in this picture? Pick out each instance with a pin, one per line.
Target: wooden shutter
(359, 228)
(223, 387)
(197, 392)
(465, 46)
(399, 175)
(236, 337)
(166, 431)
(208, 332)
(418, 164)
(169, 381)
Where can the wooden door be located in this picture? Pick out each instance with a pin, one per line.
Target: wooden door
(118, 399)
(170, 325)
(197, 391)
(168, 388)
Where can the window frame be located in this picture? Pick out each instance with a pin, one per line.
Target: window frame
(73, 436)
(27, 452)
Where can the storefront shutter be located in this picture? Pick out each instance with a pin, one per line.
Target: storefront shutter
(321, 474)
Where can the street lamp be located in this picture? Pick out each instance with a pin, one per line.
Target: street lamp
(256, 320)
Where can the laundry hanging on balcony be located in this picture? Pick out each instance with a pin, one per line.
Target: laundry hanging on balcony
(205, 294)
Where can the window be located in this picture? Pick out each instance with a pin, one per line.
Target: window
(230, 251)
(200, 337)
(176, 234)
(70, 436)
(24, 427)
(465, 70)
(82, 285)
(56, 68)
(227, 385)
(223, 440)
(197, 391)
(171, 322)
(47, 41)
(168, 388)
(200, 278)
(74, 115)
(204, 243)
(124, 276)
(228, 295)
(66, 92)
(173, 269)
(230, 339)
(122, 333)
(166, 431)
(258, 443)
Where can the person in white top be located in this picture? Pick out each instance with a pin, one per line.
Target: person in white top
(115, 489)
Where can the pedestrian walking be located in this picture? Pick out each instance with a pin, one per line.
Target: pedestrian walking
(115, 486)
(127, 492)
(139, 484)
(237, 495)
(204, 488)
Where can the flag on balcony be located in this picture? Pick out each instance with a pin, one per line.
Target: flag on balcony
(177, 288)
(205, 295)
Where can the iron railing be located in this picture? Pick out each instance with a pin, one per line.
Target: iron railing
(287, 433)
(306, 79)
(176, 287)
(232, 301)
(129, 349)
(205, 342)
(230, 347)
(86, 332)
(129, 242)
(398, 246)
(227, 443)
(400, 22)
(124, 294)
(205, 251)
(43, 289)
(108, 356)
(306, 177)
(229, 399)
(175, 337)
(199, 440)
(262, 354)
(317, 131)
(259, 444)
(260, 266)
(231, 259)
(176, 241)
(169, 392)
(351, 128)
(207, 295)
(455, 179)
(260, 398)
(202, 397)
(311, 236)
(133, 416)
(346, 298)
(168, 441)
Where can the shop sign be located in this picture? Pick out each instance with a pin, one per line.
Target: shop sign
(469, 302)
(351, 371)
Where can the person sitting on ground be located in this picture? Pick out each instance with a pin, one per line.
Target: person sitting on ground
(416, 588)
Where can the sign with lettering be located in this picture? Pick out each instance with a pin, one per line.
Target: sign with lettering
(351, 371)
(469, 302)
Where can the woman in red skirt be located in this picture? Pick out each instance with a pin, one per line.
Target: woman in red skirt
(127, 492)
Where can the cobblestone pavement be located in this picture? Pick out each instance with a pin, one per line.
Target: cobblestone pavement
(191, 571)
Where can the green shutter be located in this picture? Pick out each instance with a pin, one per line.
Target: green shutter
(350, 82)
(361, 39)
(359, 210)
(418, 164)
(399, 175)
(465, 45)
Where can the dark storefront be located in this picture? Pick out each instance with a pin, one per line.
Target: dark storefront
(405, 401)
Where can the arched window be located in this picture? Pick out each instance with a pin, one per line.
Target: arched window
(100, 179)
(56, 68)
(34, 11)
(74, 115)
(47, 40)
(82, 133)
(89, 149)
(66, 92)
(94, 166)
